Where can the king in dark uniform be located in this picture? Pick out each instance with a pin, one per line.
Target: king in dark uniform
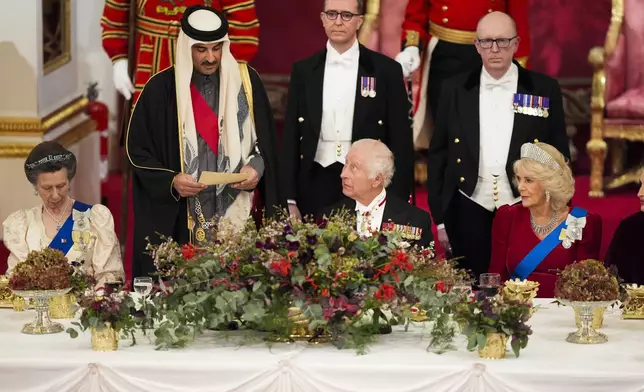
(206, 113)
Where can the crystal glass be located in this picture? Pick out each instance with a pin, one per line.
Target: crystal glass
(143, 285)
(490, 284)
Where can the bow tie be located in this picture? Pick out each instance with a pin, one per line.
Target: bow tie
(339, 60)
(504, 84)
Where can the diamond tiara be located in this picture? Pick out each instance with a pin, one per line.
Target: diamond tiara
(50, 159)
(534, 152)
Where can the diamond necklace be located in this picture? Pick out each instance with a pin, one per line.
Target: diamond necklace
(547, 228)
(60, 218)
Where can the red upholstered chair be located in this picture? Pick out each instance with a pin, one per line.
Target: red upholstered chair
(617, 100)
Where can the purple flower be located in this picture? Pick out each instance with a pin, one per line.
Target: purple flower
(322, 223)
(311, 239)
(382, 239)
(335, 245)
(480, 296)
(293, 245)
(287, 230)
(259, 245)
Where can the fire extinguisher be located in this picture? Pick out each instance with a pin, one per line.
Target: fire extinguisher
(99, 112)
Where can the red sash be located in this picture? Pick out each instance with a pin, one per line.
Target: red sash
(206, 120)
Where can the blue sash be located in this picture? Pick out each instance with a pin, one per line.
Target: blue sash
(63, 240)
(532, 260)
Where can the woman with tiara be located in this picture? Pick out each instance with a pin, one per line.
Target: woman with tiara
(84, 233)
(538, 237)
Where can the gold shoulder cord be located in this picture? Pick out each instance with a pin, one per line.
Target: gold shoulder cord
(248, 88)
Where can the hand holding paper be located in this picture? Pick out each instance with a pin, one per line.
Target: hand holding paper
(214, 178)
(250, 182)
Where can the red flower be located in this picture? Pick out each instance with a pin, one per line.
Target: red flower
(282, 267)
(385, 292)
(189, 251)
(325, 292)
(440, 286)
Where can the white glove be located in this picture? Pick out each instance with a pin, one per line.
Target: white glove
(121, 78)
(409, 59)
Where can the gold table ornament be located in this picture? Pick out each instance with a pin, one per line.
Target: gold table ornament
(6, 296)
(42, 324)
(520, 290)
(62, 307)
(598, 318)
(495, 346)
(299, 330)
(586, 333)
(104, 339)
(634, 302)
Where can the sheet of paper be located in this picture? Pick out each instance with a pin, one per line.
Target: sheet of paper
(213, 178)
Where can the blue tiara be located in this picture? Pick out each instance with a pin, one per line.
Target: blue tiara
(50, 159)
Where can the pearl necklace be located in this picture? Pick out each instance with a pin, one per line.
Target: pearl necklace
(547, 228)
(60, 218)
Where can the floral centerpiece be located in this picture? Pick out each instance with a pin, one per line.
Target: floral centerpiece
(587, 280)
(47, 269)
(489, 321)
(589, 287)
(106, 312)
(64, 307)
(272, 279)
(43, 275)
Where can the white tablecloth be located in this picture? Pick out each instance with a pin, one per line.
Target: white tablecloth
(398, 363)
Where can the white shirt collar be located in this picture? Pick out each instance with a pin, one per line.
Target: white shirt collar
(375, 203)
(511, 75)
(348, 56)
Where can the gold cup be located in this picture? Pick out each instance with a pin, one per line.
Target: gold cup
(62, 307)
(495, 346)
(634, 302)
(104, 339)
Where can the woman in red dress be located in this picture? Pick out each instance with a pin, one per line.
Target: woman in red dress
(535, 239)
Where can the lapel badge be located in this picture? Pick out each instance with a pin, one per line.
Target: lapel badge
(364, 86)
(372, 87)
(520, 103)
(546, 106)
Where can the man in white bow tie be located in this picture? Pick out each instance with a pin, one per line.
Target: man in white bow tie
(483, 118)
(342, 94)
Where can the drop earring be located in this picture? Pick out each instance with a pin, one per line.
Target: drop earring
(35, 192)
(547, 196)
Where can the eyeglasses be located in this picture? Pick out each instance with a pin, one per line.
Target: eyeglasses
(345, 15)
(487, 43)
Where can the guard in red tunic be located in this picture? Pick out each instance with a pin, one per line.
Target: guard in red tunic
(157, 28)
(439, 35)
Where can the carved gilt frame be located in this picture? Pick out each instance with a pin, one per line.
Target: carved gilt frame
(66, 55)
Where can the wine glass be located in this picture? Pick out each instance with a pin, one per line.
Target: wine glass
(143, 285)
(490, 284)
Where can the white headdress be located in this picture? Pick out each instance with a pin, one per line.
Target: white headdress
(206, 25)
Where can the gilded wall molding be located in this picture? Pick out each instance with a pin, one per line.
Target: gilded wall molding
(78, 133)
(25, 126)
(16, 150)
(68, 139)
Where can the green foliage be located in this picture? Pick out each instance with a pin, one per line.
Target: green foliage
(320, 273)
(483, 315)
